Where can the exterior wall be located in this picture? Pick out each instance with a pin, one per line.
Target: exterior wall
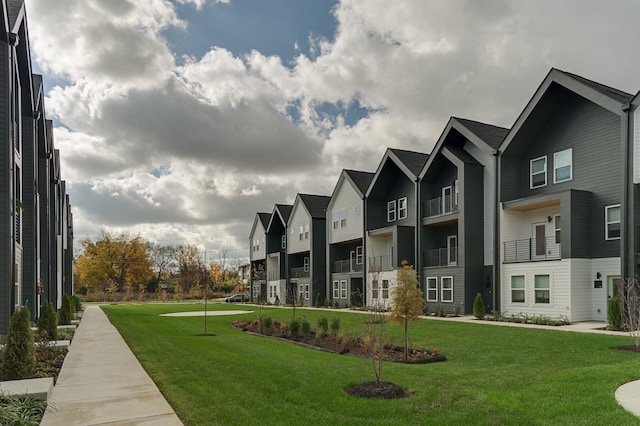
(636, 146)
(299, 217)
(391, 276)
(599, 298)
(457, 273)
(318, 260)
(258, 233)
(391, 184)
(347, 198)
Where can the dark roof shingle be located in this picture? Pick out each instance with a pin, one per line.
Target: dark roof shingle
(490, 134)
(360, 179)
(611, 92)
(285, 211)
(264, 219)
(316, 205)
(413, 160)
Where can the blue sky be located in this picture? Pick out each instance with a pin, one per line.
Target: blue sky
(179, 120)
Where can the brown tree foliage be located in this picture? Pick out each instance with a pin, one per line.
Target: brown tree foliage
(407, 301)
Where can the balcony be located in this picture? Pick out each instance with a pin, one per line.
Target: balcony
(441, 257)
(302, 272)
(347, 266)
(381, 263)
(440, 206)
(531, 250)
(260, 276)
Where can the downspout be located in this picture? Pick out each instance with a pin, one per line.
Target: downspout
(627, 244)
(496, 233)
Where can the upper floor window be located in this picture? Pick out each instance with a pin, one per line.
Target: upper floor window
(343, 218)
(391, 211)
(612, 222)
(306, 231)
(357, 209)
(538, 172)
(563, 166)
(283, 244)
(359, 256)
(335, 220)
(402, 208)
(301, 233)
(558, 229)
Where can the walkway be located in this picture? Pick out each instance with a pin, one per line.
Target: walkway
(102, 382)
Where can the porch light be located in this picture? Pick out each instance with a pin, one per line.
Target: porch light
(549, 219)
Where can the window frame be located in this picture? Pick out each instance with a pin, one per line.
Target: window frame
(557, 228)
(375, 289)
(607, 222)
(402, 208)
(335, 220)
(283, 242)
(391, 211)
(343, 218)
(306, 231)
(343, 289)
(443, 289)
(301, 233)
(336, 289)
(359, 255)
(531, 174)
(570, 165)
(432, 289)
(537, 289)
(523, 289)
(385, 289)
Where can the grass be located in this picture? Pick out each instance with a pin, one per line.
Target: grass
(494, 375)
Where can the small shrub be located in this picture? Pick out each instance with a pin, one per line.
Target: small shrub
(353, 301)
(65, 312)
(77, 306)
(48, 320)
(318, 300)
(327, 302)
(277, 301)
(20, 410)
(614, 314)
(478, 307)
(335, 325)
(19, 356)
(323, 325)
(265, 323)
(439, 310)
(336, 304)
(305, 326)
(294, 327)
(456, 309)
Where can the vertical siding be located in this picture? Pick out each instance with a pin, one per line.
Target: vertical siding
(636, 146)
(347, 198)
(299, 217)
(6, 182)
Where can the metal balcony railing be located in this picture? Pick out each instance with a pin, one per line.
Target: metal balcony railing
(439, 206)
(260, 276)
(531, 250)
(302, 272)
(381, 263)
(347, 266)
(441, 257)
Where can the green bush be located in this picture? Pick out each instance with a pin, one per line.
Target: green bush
(265, 323)
(323, 324)
(318, 300)
(48, 320)
(77, 306)
(478, 307)
(295, 327)
(19, 356)
(305, 326)
(65, 313)
(335, 325)
(614, 314)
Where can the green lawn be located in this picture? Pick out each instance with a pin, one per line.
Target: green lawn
(494, 375)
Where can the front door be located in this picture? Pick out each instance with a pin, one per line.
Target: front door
(538, 242)
(447, 200)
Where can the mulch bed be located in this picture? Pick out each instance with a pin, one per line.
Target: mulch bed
(386, 390)
(629, 348)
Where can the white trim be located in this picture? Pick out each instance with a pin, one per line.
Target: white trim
(343, 289)
(442, 289)
(336, 289)
(607, 222)
(555, 165)
(432, 279)
(391, 210)
(548, 289)
(402, 208)
(537, 173)
(523, 289)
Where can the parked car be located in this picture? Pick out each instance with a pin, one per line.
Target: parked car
(237, 298)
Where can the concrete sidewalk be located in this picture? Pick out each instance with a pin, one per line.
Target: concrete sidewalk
(102, 382)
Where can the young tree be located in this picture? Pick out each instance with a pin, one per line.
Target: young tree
(19, 356)
(48, 320)
(630, 304)
(478, 307)
(407, 301)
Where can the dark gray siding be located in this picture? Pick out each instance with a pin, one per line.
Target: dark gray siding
(6, 183)
(392, 184)
(458, 287)
(471, 237)
(319, 260)
(29, 215)
(405, 245)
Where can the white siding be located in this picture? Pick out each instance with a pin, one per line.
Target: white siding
(345, 198)
(489, 183)
(636, 146)
(384, 275)
(608, 267)
(258, 233)
(581, 290)
(299, 217)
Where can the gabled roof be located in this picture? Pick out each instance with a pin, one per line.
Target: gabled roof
(461, 154)
(14, 7)
(282, 212)
(487, 137)
(264, 219)
(409, 162)
(604, 96)
(316, 205)
(360, 179)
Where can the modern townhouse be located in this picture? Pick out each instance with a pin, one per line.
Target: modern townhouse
(25, 157)
(258, 256)
(306, 250)
(391, 221)
(562, 185)
(345, 238)
(457, 189)
(277, 254)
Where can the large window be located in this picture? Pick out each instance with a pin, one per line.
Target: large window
(612, 222)
(402, 208)
(538, 168)
(391, 211)
(336, 289)
(517, 289)
(563, 166)
(432, 289)
(541, 288)
(446, 287)
(343, 289)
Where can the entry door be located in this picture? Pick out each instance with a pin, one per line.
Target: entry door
(446, 199)
(538, 242)
(352, 261)
(452, 250)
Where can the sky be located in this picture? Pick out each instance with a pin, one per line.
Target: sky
(179, 120)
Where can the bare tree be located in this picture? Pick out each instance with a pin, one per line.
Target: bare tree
(630, 304)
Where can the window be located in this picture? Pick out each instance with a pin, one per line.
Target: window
(432, 289)
(374, 289)
(391, 211)
(359, 255)
(446, 284)
(336, 289)
(612, 222)
(562, 166)
(517, 289)
(541, 288)
(306, 231)
(343, 218)
(385, 289)
(335, 219)
(402, 208)
(306, 292)
(455, 192)
(283, 244)
(558, 228)
(343, 289)
(305, 264)
(538, 172)
(301, 233)
(357, 209)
